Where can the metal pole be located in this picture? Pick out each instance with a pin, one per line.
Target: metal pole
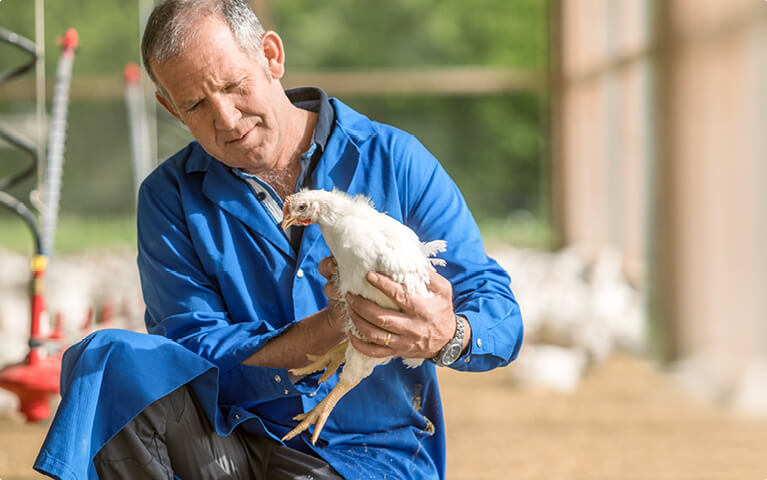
(147, 88)
(139, 128)
(56, 139)
(40, 95)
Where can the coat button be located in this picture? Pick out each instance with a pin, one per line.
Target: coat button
(300, 273)
(479, 342)
(277, 378)
(286, 392)
(236, 416)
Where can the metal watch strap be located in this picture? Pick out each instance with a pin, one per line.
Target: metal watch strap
(452, 350)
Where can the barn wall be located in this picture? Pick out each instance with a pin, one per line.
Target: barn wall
(659, 116)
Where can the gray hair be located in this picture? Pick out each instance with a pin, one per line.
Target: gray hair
(169, 27)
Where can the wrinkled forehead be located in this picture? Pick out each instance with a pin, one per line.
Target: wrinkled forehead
(210, 60)
(204, 38)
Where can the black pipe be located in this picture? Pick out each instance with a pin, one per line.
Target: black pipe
(17, 206)
(22, 43)
(11, 203)
(27, 147)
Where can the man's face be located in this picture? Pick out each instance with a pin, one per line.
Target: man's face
(232, 103)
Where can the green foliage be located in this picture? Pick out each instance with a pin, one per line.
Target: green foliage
(73, 233)
(415, 33)
(520, 229)
(108, 31)
(492, 145)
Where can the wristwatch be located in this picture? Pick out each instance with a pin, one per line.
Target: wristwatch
(450, 352)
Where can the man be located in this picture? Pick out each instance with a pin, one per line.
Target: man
(242, 301)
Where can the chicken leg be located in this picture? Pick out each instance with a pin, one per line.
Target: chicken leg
(329, 362)
(319, 414)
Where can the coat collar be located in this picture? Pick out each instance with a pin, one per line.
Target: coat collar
(233, 195)
(337, 168)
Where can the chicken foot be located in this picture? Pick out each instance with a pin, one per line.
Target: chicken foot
(319, 414)
(329, 362)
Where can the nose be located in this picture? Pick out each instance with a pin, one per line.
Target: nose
(226, 114)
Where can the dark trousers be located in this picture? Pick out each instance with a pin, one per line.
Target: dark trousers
(173, 437)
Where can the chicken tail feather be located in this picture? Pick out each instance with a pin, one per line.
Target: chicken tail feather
(432, 248)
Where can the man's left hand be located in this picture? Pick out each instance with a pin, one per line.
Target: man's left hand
(420, 330)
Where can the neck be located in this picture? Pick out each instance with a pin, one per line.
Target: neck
(299, 130)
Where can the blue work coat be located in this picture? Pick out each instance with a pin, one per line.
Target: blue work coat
(220, 279)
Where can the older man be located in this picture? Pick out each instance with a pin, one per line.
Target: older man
(235, 302)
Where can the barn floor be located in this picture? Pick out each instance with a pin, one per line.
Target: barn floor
(626, 421)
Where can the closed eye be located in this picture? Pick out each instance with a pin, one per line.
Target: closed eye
(233, 86)
(194, 106)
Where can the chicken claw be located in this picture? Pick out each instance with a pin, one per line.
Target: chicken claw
(319, 414)
(329, 362)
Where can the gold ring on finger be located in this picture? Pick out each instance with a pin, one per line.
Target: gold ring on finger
(388, 338)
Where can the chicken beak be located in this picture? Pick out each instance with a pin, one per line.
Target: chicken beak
(288, 221)
(287, 218)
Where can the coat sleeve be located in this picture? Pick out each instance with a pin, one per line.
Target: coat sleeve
(184, 303)
(434, 207)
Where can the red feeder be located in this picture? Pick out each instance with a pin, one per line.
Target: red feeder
(34, 384)
(37, 378)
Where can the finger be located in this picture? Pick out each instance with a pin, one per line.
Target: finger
(327, 267)
(394, 290)
(332, 291)
(374, 314)
(371, 332)
(371, 349)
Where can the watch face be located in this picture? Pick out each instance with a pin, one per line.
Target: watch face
(452, 354)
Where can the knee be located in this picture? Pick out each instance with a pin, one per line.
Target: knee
(102, 346)
(117, 338)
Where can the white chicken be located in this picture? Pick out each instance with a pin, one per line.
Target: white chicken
(361, 240)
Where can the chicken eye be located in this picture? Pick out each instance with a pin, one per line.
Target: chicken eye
(302, 207)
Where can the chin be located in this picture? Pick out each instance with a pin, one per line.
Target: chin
(256, 166)
(246, 161)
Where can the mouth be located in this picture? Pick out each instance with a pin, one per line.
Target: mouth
(241, 139)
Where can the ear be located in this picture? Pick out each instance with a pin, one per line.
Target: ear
(272, 48)
(168, 106)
